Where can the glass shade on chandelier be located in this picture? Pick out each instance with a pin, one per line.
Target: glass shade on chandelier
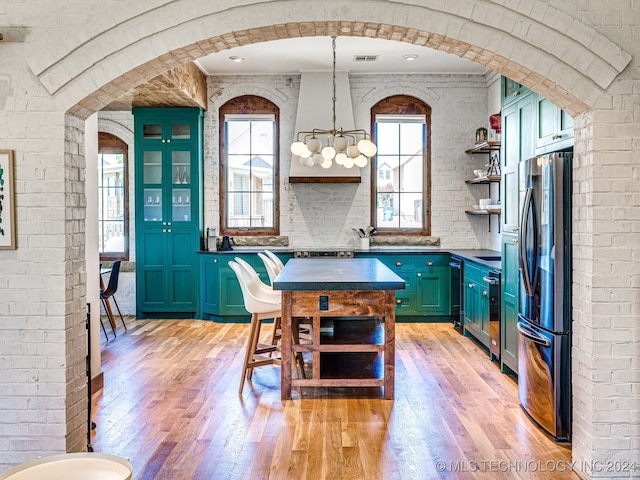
(323, 147)
(339, 147)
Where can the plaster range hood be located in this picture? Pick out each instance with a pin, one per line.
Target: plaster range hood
(314, 111)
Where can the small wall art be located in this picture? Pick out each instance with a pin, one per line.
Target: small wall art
(7, 201)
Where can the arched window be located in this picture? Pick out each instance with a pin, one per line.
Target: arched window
(249, 176)
(113, 198)
(401, 174)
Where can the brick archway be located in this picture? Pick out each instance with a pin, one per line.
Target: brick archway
(571, 67)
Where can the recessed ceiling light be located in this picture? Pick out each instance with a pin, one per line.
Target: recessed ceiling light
(410, 57)
(236, 59)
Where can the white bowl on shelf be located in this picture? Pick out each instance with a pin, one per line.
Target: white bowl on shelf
(484, 202)
(480, 173)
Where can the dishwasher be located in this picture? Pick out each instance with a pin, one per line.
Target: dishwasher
(457, 293)
(493, 280)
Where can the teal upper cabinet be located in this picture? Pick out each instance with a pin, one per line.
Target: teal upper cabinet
(511, 91)
(168, 156)
(554, 129)
(518, 143)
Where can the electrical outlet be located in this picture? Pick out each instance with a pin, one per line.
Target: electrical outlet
(324, 302)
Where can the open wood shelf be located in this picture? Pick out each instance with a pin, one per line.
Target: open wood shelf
(484, 180)
(485, 147)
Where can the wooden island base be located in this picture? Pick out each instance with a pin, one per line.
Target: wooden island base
(352, 339)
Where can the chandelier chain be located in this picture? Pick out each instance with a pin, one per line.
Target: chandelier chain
(333, 100)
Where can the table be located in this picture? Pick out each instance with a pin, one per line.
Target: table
(341, 289)
(110, 316)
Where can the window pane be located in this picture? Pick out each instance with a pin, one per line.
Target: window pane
(238, 137)
(250, 171)
(387, 138)
(387, 214)
(111, 201)
(262, 137)
(411, 139)
(400, 171)
(411, 210)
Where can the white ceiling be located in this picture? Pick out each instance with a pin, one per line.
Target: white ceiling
(295, 55)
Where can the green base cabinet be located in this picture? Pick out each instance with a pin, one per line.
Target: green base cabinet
(509, 304)
(220, 292)
(476, 302)
(427, 292)
(168, 156)
(427, 296)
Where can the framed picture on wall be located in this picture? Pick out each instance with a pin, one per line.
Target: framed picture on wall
(7, 201)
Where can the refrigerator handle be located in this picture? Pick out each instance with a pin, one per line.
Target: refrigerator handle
(522, 247)
(530, 335)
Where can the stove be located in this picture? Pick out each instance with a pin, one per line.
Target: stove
(323, 254)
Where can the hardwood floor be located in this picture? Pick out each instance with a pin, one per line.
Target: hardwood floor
(170, 404)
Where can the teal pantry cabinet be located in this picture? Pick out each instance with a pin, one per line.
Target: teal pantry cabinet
(168, 158)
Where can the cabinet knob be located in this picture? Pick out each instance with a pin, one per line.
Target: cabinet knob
(399, 301)
(484, 294)
(515, 240)
(471, 285)
(516, 93)
(429, 264)
(164, 230)
(419, 274)
(215, 260)
(163, 140)
(556, 136)
(168, 140)
(398, 264)
(168, 223)
(169, 230)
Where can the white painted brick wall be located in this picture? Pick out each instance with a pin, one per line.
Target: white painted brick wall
(606, 327)
(322, 215)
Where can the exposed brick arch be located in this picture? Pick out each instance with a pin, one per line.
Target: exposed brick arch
(571, 67)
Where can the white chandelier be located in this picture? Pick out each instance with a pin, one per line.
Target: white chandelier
(345, 147)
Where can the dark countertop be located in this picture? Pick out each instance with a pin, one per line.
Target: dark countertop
(469, 254)
(337, 274)
(474, 254)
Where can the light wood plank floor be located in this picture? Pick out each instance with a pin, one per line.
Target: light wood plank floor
(170, 404)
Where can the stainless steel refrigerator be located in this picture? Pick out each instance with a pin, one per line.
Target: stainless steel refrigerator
(544, 319)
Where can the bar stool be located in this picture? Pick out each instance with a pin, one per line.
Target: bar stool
(275, 259)
(272, 269)
(261, 308)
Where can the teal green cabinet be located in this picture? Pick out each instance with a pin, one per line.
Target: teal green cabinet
(512, 91)
(476, 302)
(220, 293)
(518, 143)
(554, 127)
(433, 277)
(168, 156)
(427, 276)
(509, 304)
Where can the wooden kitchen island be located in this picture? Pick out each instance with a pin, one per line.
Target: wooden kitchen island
(351, 304)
